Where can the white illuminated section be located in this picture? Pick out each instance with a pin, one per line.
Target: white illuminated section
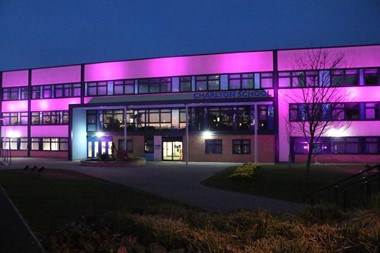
(99, 134)
(13, 134)
(337, 132)
(207, 134)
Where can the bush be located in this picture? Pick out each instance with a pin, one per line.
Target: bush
(246, 171)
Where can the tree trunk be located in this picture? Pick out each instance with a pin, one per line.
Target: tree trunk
(308, 162)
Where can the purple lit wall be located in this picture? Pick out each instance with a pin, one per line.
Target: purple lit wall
(14, 131)
(15, 78)
(15, 106)
(355, 57)
(60, 104)
(56, 75)
(180, 66)
(49, 131)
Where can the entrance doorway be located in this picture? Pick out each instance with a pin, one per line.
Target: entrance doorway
(172, 150)
(97, 146)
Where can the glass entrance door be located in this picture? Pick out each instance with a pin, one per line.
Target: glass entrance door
(97, 146)
(172, 150)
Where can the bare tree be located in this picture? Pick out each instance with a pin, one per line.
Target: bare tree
(317, 106)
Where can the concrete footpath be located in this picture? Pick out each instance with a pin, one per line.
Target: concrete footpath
(172, 180)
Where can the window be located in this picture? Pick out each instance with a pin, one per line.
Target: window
(36, 92)
(207, 83)
(50, 144)
(11, 93)
(185, 83)
(67, 90)
(348, 145)
(121, 146)
(266, 80)
(298, 79)
(372, 111)
(50, 118)
(372, 77)
(112, 120)
(352, 111)
(372, 145)
(241, 81)
(213, 146)
(14, 143)
(348, 77)
(97, 89)
(15, 118)
(92, 120)
(241, 146)
(122, 87)
(155, 85)
(148, 144)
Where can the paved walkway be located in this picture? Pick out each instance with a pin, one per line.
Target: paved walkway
(173, 180)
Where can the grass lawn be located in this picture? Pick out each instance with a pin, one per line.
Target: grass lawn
(72, 212)
(282, 181)
(57, 197)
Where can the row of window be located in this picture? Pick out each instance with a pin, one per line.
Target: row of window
(339, 145)
(240, 81)
(212, 146)
(239, 146)
(38, 118)
(43, 91)
(342, 77)
(165, 84)
(37, 144)
(335, 111)
(221, 118)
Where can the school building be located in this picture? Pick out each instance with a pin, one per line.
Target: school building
(230, 107)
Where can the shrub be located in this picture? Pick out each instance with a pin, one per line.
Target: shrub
(246, 171)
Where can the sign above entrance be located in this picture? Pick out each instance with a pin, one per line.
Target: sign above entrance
(232, 94)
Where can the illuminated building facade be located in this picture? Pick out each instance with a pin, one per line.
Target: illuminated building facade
(218, 107)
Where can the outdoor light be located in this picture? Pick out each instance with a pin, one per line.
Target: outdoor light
(207, 134)
(13, 134)
(99, 134)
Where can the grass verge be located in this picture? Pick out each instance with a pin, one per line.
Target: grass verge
(75, 213)
(281, 181)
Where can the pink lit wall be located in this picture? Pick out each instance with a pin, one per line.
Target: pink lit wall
(357, 128)
(59, 104)
(14, 131)
(50, 131)
(15, 106)
(355, 57)
(179, 66)
(15, 78)
(56, 75)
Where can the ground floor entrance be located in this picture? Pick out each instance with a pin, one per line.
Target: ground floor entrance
(172, 150)
(97, 146)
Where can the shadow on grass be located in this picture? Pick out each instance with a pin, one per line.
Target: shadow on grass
(281, 181)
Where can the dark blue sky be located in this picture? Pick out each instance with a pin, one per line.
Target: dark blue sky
(42, 33)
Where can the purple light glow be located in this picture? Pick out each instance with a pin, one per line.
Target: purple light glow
(15, 106)
(181, 66)
(15, 78)
(14, 131)
(50, 131)
(53, 105)
(56, 75)
(355, 57)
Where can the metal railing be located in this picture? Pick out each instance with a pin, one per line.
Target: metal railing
(357, 184)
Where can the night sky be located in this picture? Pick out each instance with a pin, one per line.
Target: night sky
(42, 33)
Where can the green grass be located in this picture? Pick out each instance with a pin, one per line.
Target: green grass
(83, 214)
(281, 181)
(49, 202)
